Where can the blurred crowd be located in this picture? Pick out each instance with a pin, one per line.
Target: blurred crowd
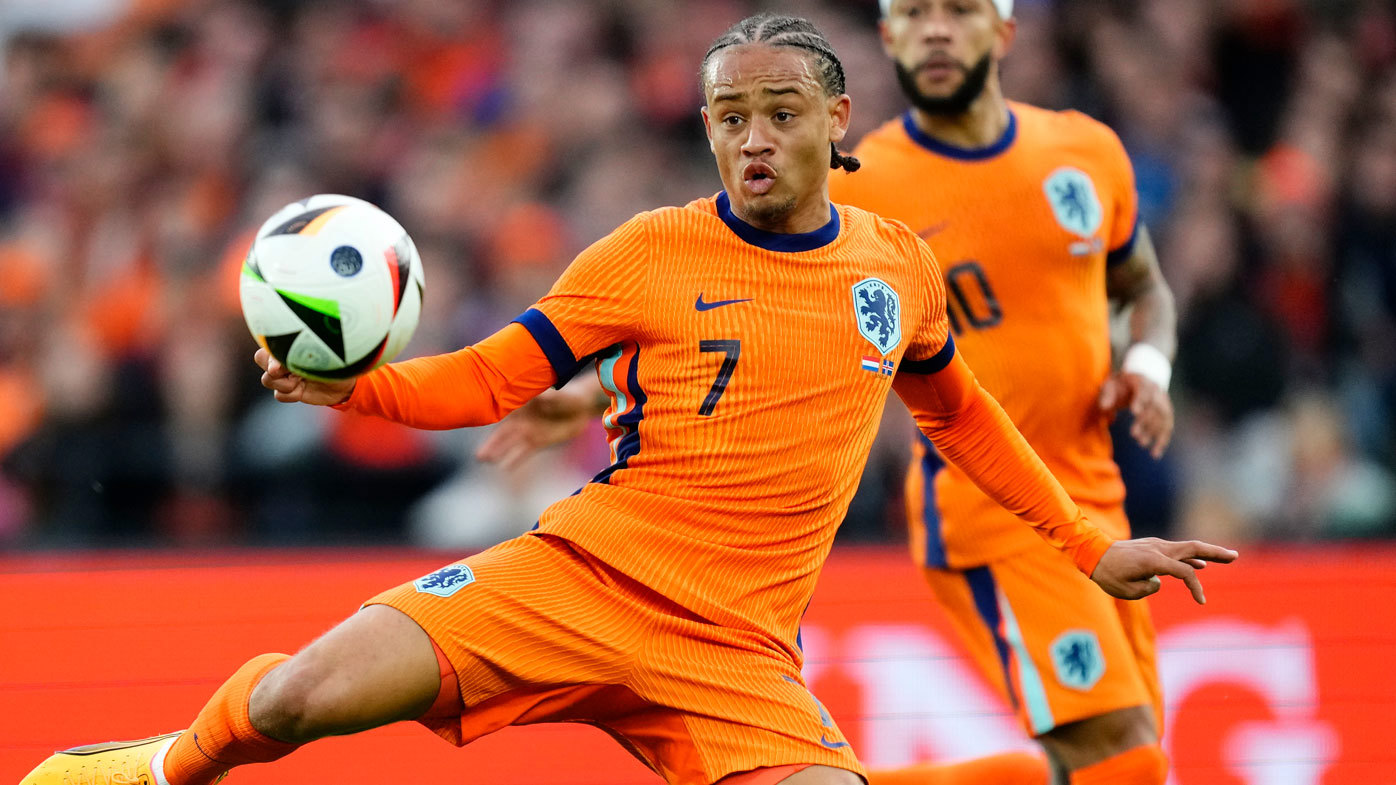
(141, 141)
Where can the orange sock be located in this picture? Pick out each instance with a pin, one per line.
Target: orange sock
(1146, 765)
(1008, 768)
(222, 735)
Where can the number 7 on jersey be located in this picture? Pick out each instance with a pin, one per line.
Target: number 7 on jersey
(733, 349)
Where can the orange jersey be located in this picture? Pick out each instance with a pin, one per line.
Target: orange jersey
(1024, 231)
(747, 373)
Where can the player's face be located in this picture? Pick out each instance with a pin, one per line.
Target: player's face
(770, 124)
(944, 50)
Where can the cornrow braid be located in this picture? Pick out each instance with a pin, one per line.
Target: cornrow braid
(789, 31)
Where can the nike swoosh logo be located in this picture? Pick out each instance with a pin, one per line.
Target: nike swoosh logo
(833, 745)
(702, 306)
(932, 231)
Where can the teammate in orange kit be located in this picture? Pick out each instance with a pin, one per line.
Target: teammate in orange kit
(662, 601)
(1033, 215)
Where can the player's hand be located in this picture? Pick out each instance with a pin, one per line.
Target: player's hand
(290, 388)
(1150, 405)
(554, 417)
(1129, 569)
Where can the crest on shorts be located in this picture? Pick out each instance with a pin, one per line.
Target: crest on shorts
(1074, 201)
(1077, 659)
(445, 581)
(879, 313)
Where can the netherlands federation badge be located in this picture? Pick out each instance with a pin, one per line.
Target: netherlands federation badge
(878, 311)
(445, 581)
(1074, 201)
(1077, 659)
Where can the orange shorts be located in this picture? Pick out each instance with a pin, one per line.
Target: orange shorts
(1056, 645)
(540, 631)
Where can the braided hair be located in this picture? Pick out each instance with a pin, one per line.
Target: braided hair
(789, 31)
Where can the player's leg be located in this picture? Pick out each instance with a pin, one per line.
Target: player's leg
(793, 775)
(375, 668)
(1077, 665)
(1122, 745)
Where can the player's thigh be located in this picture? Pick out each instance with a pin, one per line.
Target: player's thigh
(374, 668)
(530, 612)
(823, 775)
(1052, 638)
(794, 775)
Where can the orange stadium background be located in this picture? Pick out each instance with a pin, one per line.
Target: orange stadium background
(1284, 678)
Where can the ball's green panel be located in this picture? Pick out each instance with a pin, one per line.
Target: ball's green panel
(321, 316)
(318, 304)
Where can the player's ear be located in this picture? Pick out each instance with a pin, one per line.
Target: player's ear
(1003, 41)
(840, 110)
(708, 128)
(885, 35)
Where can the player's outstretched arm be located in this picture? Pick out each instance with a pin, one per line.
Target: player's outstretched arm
(972, 431)
(1130, 569)
(477, 385)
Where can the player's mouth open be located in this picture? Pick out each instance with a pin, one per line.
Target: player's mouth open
(759, 177)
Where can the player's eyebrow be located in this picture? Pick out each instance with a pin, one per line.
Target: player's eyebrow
(736, 96)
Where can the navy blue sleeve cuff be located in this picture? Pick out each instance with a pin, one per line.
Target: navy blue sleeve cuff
(1123, 252)
(933, 364)
(555, 348)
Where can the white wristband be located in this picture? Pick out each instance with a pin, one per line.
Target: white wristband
(1148, 361)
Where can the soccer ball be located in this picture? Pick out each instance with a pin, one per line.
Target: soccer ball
(332, 287)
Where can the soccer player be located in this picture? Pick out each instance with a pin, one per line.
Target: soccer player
(748, 342)
(1033, 216)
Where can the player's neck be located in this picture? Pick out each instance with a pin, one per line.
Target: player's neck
(980, 126)
(811, 215)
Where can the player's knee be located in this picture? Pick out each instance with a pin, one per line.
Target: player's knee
(1083, 743)
(292, 703)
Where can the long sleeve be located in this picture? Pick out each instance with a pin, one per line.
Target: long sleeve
(477, 385)
(971, 430)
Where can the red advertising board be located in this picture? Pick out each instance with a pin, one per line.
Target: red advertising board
(1284, 678)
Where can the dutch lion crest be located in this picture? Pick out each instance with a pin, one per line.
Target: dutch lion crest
(445, 581)
(1077, 659)
(1074, 202)
(879, 313)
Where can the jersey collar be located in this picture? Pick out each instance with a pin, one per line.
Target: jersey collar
(962, 153)
(775, 241)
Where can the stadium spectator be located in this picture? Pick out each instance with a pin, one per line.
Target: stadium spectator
(138, 147)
